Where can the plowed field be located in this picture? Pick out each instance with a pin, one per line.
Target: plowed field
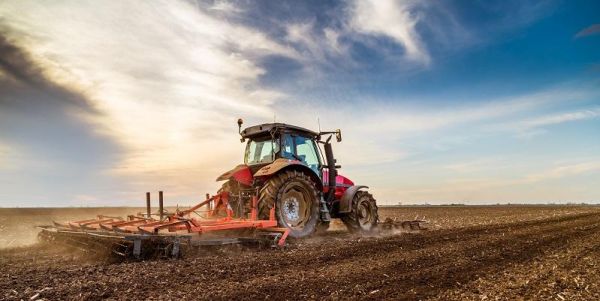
(470, 253)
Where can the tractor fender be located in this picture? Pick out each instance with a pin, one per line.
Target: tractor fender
(240, 173)
(346, 201)
(285, 164)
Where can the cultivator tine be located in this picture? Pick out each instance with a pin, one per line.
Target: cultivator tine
(121, 248)
(275, 237)
(405, 225)
(143, 237)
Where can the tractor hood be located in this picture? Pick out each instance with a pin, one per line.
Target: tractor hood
(245, 175)
(341, 184)
(240, 173)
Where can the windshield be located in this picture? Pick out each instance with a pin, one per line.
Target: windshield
(261, 151)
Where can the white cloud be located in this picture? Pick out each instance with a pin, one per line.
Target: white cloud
(5, 150)
(171, 81)
(377, 132)
(476, 165)
(560, 118)
(169, 78)
(562, 171)
(302, 34)
(319, 47)
(541, 184)
(225, 6)
(395, 19)
(529, 127)
(332, 37)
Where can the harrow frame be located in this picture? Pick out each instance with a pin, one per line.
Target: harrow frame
(138, 234)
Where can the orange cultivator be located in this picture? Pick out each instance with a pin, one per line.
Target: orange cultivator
(144, 235)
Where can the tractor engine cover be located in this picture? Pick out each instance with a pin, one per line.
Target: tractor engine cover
(240, 173)
(341, 184)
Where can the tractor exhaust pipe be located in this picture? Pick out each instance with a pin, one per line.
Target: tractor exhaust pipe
(331, 168)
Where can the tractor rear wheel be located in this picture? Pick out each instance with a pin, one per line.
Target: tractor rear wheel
(363, 217)
(295, 199)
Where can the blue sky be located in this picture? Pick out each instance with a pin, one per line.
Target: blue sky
(439, 101)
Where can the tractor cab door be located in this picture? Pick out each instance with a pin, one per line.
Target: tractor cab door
(301, 148)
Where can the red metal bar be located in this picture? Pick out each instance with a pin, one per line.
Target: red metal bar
(285, 232)
(118, 225)
(177, 222)
(95, 224)
(195, 226)
(79, 224)
(155, 229)
(253, 211)
(272, 214)
(207, 201)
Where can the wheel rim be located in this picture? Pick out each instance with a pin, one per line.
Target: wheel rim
(295, 206)
(365, 214)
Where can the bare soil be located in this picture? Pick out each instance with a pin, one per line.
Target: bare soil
(471, 253)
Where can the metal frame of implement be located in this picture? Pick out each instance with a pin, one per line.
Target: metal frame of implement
(169, 232)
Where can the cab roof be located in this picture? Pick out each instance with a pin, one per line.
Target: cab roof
(266, 128)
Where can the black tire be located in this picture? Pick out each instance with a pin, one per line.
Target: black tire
(296, 202)
(364, 216)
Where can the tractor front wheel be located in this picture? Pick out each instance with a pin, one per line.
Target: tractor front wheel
(296, 202)
(363, 217)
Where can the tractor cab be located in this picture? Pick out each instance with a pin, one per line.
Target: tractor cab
(269, 142)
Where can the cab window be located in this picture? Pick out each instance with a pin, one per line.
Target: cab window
(301, 148)
(260, 151)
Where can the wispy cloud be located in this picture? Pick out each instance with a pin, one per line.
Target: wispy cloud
(561, 118)
(153, 89)
(547, 184)
(316, 45)
(529, 127)
(168, 80)
(375, 130)
(476, 165)
(224, 6)
(20, 73)
(393, 29)
(564, 171)
(4, 152)
(588, 31)
(394, 19)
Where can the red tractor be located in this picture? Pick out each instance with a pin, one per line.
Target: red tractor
(287, 186)
(293, 170)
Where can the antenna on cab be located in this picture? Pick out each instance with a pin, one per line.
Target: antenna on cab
(319, 124)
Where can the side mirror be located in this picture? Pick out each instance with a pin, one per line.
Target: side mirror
(240, 122)
(338, 135)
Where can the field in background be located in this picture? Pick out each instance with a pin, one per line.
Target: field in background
(17, 225)
(470, 253)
